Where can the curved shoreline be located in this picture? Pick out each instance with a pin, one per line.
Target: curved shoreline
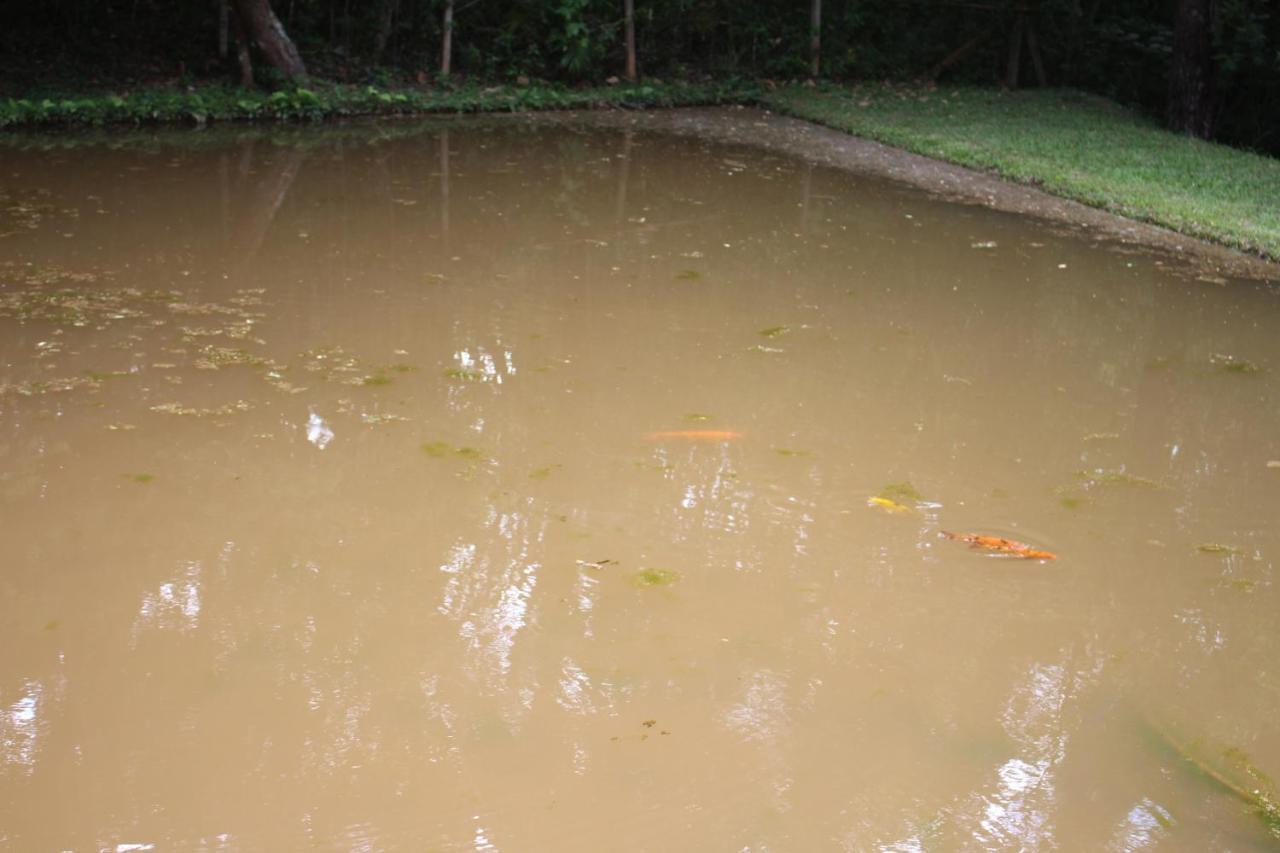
(1207, 261)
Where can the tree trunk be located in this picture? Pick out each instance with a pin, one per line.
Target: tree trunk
(629, 16)
(243, 60)
(446, 47)
(268, 34)
(386, 16)
(224, 28)
(1191, 90)
(815, 37)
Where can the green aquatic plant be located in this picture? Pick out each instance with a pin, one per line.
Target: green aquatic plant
(1231, 364)
(688, 275)
(775, 331)
(139, 478)
(1228, 768)
(544, 472)
(463, 374)
(648, 578)
(902, 492)
(697, 417)
(376, 379)
(1216, 548)
(1072, 502)
(787, 451)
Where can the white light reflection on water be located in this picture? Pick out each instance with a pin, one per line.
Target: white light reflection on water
(318, 431)
(19, 728)
(1146, 825)
(1018, 812)
(174, 605)
(491, 607)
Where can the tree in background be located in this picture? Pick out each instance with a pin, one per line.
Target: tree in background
(815, 37)
(629, 23)
(257, 22)
(1191, 72)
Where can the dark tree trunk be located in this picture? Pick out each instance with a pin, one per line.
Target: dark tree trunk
(386, 16)
(815, 37)
(243, 60)
(224, 28)
(269, 36)
(629, 17)
(1191, 89)
(446, 41)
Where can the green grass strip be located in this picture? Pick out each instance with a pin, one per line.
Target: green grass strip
(1070, 144)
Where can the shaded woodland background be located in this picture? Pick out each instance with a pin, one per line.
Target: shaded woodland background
(1209, 67)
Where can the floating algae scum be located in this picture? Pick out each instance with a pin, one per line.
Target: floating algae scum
(550, 486)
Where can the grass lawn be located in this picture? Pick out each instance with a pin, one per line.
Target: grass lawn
(1070, 144)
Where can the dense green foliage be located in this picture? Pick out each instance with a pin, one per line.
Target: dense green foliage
(1120, 49)
(1072, 145)
(223, 103)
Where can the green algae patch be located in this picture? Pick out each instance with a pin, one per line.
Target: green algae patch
(1072, 502)
(436, 449)
(1225, 767)
(775, 331)
(139, 478)
(378, 379)
(788, 451)
(649, 578)
(902, 492)
(463, 375)
(696, 417)
(1238, 366)
(1217, 548)
(688, 275)
(544, 472)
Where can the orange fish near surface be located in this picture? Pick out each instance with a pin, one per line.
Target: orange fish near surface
(695, 434)
(996, 545)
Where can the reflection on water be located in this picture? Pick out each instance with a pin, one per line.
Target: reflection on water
(509, 486)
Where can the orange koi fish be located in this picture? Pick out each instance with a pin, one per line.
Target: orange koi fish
(695, 434)
(1006, 547)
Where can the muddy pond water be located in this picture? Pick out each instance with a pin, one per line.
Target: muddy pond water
(530, 485)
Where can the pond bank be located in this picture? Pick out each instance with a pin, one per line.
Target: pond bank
(1209, 261)
(1060, 155)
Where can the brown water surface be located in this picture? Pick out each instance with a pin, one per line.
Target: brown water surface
(341, 506)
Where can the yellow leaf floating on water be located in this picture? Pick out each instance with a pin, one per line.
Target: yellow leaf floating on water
(888, 505)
